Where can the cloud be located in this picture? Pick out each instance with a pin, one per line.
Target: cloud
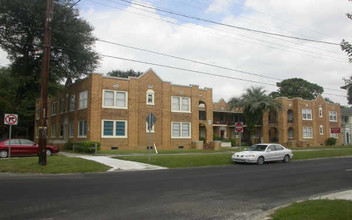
(219, 6)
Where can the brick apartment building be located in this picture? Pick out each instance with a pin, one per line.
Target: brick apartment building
(113, 111)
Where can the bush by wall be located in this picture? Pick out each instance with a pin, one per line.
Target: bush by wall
(83, 147)
(330, 141)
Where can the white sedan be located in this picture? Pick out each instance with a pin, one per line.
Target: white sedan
(261, 153)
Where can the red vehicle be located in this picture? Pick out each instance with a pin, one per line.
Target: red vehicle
(23, 147)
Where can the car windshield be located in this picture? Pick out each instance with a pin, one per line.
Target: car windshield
(257, 147)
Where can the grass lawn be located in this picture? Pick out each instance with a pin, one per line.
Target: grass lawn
(173, 161)
(316, 210)
(321, 147)
(55, 164)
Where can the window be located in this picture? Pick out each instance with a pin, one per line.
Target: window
(332, 116)
(146, 128)
(53, 108)
(53, 130)
(61, 131)
(320, 112)
(82, 128)
(334, 135)
(26, 142)
(71, 132)
(114, 99)
(150, 97)
(61, 105)
(272, 148)
(180, 130)
(181, 104)
(114, 129)
(72, 103)
(307, 132)
(321, 129)
(13, 142)
(83, 99)
(278, 147)
(306, 114)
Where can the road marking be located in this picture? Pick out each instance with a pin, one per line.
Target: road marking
(349, 170)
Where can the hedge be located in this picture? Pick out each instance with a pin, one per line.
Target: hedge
(83, 146)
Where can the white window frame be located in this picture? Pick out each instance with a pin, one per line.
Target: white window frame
(84, 129)
(320, 112)
(146, 128)
(72, 104)
(333, 116)
(71, 128)
(182, 137)
(114, 105)
(152, 93)
(83, 102)
(334, 135)
(53, 107)
(306, 132)
(113, 129)
(180, 105)
(53, 128)
(321, 130)
(306, 111)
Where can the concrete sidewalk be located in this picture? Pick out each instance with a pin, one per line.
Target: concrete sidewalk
(115, 164)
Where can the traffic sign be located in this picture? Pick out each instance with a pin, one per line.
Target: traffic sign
(151, 119)
(239, 127)
(11, 119)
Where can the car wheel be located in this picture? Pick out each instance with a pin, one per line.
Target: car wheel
(286, 159)
(48, 152)
(3, 154)
(260, 161)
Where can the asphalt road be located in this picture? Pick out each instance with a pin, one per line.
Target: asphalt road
(228, 192)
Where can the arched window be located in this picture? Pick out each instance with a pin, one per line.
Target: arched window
(320, 112)
(150, 97)
(290, 133)
(290, 116)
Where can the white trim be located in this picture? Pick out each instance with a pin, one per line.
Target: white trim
(114, 101)
(330, 114)
(320, 112)
(113, 129)
(146, 128)
(150, 92)
(311, 114)
(311, 137)
(182, 137)
(83, 136)
(321, 128)
(180, 99)
(79, 100)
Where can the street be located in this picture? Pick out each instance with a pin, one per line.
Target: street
(227, 192)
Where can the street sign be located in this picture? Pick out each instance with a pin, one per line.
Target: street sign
(11, 119)
(239, 127)
(151, 119)
(334, 130)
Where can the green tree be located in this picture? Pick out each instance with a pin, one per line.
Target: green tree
(297, 87)
(347, 47)
(254, 102)
(124, 74)
(21, 36)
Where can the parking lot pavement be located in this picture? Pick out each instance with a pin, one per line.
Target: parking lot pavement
(115, 164)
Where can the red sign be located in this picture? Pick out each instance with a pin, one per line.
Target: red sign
(239, 127)
(334, 130)
(10, 119)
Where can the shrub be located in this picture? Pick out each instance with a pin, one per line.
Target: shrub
(68, 146)
(233, 142)
(86, 146)
(220, 139)
(330, 141)
(202, 139)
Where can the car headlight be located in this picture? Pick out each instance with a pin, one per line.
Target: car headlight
(250, 156)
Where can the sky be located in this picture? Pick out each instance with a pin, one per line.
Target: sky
(261, 60)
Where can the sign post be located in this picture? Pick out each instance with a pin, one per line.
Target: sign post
(151, 121)
(239, 129)
(10, 119)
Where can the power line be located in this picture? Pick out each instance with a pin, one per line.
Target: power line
(231, 26)
(197, 71)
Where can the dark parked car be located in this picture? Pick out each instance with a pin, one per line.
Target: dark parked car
(23, 147)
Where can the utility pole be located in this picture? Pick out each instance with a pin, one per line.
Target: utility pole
(44, 82)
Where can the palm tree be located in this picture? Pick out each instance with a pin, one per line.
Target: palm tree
(254, 102)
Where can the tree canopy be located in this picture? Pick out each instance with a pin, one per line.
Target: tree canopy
(347, 47)
(253, 102)
(21, 36)
(124, 74)
(297, 87)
